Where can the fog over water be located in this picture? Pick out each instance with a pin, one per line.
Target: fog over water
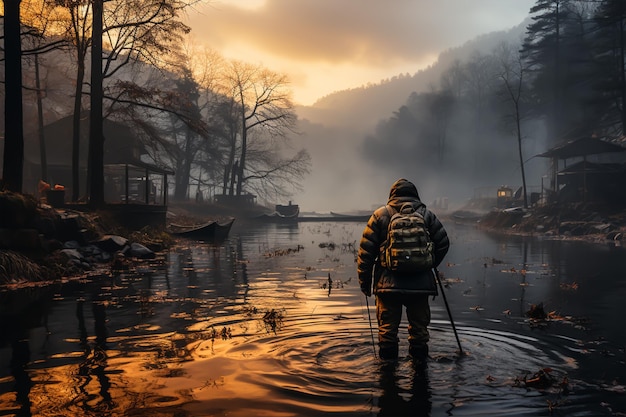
(362, 140)
(344, 179)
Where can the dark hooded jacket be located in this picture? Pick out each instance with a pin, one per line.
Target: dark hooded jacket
(374, 235)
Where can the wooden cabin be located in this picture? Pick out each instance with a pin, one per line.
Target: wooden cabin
(583, 171)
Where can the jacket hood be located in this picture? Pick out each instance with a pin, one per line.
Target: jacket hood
(403, 189)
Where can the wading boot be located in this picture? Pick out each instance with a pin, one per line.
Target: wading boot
(388, 352)
(419, 354)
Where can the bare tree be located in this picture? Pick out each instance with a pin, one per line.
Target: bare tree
(40, 36)
(512, 73)
(74, 20)
(187, 131)
(132, 31)
(440, 104)
(268, 170)
(263, 102)
(454, 79)
(217, 148)
(480, 79)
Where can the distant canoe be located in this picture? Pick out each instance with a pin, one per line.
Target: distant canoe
(209, 232)
(276, 218)
(359, 214)
(466, 216)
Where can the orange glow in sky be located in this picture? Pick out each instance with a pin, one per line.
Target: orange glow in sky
(329, 45)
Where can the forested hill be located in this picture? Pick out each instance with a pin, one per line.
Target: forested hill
(364, 106)
(339, 131)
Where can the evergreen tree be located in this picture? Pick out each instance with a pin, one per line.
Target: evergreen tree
(610, 48)
(541, 50)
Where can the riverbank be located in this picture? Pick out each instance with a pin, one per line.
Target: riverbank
(589, 222)
(40, 243)
(230, 328)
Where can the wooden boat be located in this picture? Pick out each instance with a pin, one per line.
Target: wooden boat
(465, 216)
(290, 211)
(210, 232)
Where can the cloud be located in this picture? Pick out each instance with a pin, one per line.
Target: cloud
(368, 32)
(347, 40)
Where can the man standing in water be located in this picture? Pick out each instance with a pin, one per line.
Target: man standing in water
(393, 288)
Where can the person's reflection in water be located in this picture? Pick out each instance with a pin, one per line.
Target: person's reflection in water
(95, 360)
(396, 401)
(99, 314)
(19, 361)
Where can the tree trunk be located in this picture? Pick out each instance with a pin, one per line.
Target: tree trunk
(244, 149)
(96, 136)
(182, 176)
(229, 166)
(43, 160)
(519, 150)
(622, 50)
(13, 161)
(80, 77)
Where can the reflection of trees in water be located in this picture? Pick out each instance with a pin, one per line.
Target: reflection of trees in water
(240, 260)
(21, 311)
(524, 283)
(201, 267)
(20, 358)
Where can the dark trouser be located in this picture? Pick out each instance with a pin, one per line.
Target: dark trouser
(389, 313)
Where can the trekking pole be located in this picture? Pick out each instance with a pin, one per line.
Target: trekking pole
(367, 304)
(445, 301)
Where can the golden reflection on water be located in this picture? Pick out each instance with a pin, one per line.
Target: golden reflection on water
(200, 376)
(236, 332)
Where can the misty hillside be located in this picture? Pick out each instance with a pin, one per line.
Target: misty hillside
(344, 176)
(362, 107)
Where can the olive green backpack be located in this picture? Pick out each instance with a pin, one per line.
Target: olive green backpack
(408, 247)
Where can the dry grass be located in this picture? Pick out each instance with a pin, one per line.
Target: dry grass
(15, 267)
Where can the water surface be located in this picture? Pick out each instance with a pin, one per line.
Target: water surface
(272, 323)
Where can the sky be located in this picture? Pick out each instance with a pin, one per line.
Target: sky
(330, 45)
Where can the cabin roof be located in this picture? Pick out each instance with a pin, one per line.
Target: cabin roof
(582, 147)
(120, 166)
(592, 168)
(120, 142)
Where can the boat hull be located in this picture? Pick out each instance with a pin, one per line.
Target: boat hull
(210, 232)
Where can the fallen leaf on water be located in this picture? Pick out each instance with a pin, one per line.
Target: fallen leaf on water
(540, 379)
(536, 312)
